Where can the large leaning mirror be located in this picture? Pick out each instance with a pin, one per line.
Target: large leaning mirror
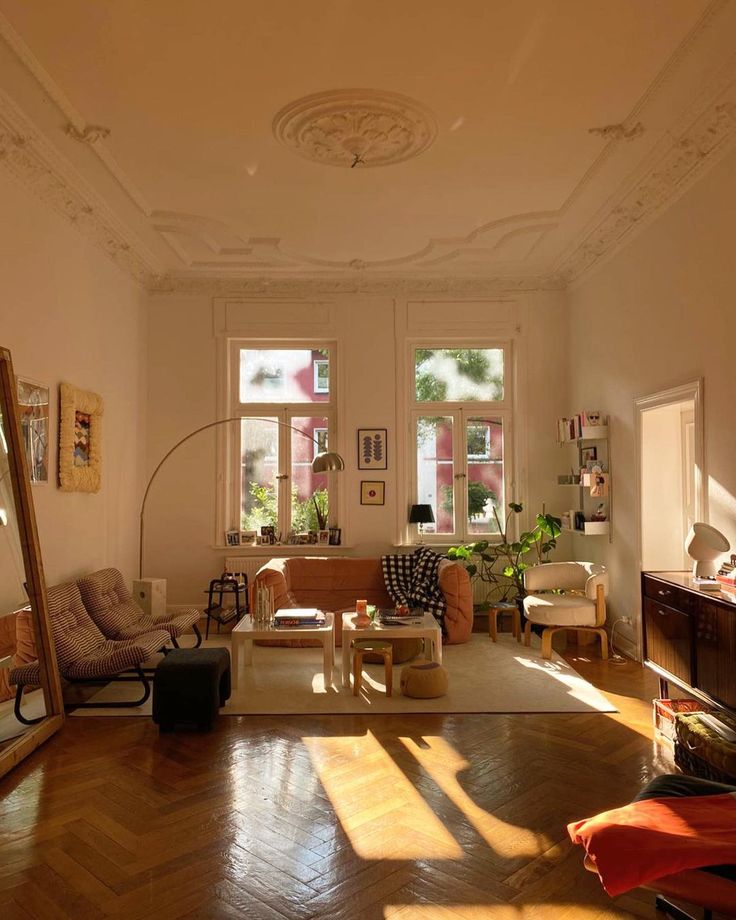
(26, 651)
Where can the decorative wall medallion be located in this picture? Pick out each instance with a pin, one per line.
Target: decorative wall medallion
(355, 127)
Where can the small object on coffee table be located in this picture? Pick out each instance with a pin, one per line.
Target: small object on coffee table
(361, 614)
(189, 687)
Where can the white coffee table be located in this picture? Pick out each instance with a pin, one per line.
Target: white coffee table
(427, 629)
(246, 632)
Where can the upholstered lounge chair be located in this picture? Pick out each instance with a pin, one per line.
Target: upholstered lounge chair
(117, 615)
(582, 606)
(85, 656)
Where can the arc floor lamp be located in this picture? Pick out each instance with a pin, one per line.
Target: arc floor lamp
(328, 461)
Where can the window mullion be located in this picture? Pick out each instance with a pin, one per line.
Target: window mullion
(284, 503)
(461, 470)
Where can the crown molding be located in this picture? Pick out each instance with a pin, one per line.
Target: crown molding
(674, 166)
(41, 169)
(305, 287)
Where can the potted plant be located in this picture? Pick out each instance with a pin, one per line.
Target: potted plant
(502, 564)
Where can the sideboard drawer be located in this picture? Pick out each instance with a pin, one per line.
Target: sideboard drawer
(669, 594)
(669, 636)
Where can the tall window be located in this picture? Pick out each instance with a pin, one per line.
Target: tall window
(461, 420)
(286, 401)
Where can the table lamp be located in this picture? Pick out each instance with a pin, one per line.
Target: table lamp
(704, 544)
(421, 515)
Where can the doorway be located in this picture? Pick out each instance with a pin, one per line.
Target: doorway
(670, 467)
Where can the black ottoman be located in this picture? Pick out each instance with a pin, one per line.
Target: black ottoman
(189, 686)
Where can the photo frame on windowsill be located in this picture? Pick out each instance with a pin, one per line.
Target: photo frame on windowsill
(80, 440)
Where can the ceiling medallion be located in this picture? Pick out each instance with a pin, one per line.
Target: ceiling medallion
(355, 127)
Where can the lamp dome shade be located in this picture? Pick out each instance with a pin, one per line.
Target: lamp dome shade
(704, 544)
(328, 461)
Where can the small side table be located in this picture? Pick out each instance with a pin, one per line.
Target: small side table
(502, 608)
(215, 609)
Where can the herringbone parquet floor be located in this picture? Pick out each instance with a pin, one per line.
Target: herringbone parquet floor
(342, 817)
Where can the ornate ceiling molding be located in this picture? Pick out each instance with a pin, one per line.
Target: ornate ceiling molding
(672, 169)
(40, 167)
(387, 285)
(207, 245)
(355, 128)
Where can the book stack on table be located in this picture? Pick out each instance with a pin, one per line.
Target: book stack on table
(294, 617)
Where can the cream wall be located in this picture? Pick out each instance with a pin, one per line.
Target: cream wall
(180, 518)
(658, 314)
(68, 314)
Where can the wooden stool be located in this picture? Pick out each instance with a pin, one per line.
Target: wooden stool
(377, 647)
(493, 613)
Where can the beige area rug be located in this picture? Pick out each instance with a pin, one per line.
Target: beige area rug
(483, 677)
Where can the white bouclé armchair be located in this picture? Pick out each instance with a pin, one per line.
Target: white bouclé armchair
(580, 606)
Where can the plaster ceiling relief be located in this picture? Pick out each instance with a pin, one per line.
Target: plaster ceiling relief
(353, 128)
(206, 244)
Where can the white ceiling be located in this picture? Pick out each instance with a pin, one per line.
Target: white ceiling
(512, 185)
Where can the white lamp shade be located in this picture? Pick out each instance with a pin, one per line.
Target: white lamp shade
(704, 544)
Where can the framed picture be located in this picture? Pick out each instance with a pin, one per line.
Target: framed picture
(335, 536)
(232, 537)
(372, 449)
(80, 440)
(247, 537)
(373, 493)
(33, 415)
(323, 537)
(587, 454)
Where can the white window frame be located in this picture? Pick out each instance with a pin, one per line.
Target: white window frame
(285, 413)
(317, 387)
(461, 413)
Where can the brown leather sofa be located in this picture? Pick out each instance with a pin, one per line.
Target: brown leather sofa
(335, 583)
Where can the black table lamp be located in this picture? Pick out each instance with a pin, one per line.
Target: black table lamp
(421, 514)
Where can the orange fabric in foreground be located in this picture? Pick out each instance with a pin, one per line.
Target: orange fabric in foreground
(643, 841)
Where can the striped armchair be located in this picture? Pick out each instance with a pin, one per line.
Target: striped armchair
(83, 653)
(112, 607)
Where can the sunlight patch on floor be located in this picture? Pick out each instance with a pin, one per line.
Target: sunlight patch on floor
(443, 763)
(388, 803)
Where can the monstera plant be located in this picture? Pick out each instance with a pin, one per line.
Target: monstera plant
(501, 564)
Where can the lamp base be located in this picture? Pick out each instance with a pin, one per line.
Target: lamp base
(705, 569)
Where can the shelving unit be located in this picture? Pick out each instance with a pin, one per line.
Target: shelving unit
(591, 436)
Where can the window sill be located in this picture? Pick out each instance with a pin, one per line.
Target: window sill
(281, 549)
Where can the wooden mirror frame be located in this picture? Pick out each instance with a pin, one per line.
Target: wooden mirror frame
(19, 748)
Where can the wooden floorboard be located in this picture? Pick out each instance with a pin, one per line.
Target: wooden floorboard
(433, 817)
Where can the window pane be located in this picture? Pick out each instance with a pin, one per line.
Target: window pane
(259, 453)
(280, 375)
(308, 487)
(458, 374)
(435, 471)
(485, 473)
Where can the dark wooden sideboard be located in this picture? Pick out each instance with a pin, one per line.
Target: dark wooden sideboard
(690, 637)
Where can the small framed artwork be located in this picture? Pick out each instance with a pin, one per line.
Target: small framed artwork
(247, 537)
(587, 454)
(372, 449)
(323, 537)
(373, 493)
(80, 440)
(232, 537)
(33, 415)
(335, 536)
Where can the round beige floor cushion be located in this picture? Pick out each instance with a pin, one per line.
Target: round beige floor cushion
(424, 680)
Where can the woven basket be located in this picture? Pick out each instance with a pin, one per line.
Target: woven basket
(699, 751)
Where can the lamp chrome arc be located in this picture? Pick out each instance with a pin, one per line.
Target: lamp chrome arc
(328, 461)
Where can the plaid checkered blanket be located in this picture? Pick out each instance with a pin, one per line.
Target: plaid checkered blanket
(413, 579)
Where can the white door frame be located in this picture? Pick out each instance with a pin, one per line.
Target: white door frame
(693, 390)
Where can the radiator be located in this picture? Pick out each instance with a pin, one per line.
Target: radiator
(248, 565)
